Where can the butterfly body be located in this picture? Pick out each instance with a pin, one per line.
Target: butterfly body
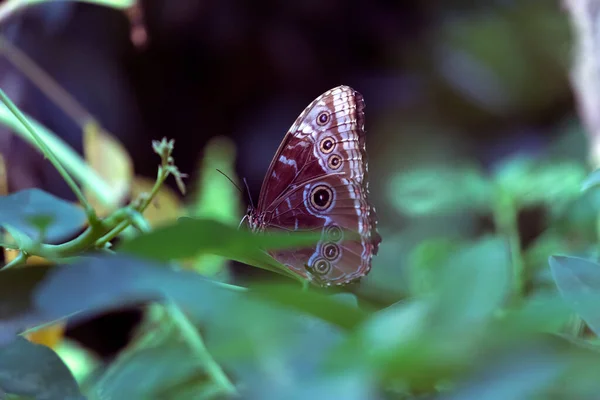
(318, 182)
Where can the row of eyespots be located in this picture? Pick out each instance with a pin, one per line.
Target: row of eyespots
(330, 251)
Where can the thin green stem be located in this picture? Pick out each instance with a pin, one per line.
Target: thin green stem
(194, 340)
(82, 242)
(72, 161)
(162, 176)
(506, 222)
(91, 213)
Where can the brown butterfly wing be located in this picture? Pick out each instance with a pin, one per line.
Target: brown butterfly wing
(318, 182)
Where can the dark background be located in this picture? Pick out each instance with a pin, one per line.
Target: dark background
(444, 82)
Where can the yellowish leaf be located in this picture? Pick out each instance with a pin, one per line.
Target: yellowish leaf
(49, 336)
(3, 177)
(108, 157)
(166, 206)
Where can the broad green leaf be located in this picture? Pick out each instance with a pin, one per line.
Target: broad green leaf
(578, 281)
(518, 375)
(151, 373)
(426, 261)
(326, 307)
(439, 191)
(577, 221)
(273, 351)
(92, 285)
(34, 211)
(37, 295)
(17, 309)
(34, 370)
(529, 181)
(189, 237)
(474, 282)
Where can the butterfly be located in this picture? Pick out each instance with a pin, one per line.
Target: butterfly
(317, 181)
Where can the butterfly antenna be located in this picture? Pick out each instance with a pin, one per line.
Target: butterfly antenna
(231, 180)
(248, 191)
(239, 188)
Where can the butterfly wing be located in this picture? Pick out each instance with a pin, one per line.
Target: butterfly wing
(318, 182)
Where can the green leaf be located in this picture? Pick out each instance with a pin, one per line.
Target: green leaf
(426, 261)
(33, 211)
(472, 285)
(273, 351)
(428, 191)
(17, 308)
(530, 182)
(38, 295)
(93, 285)
(578, 281)
(326, 307)
(155, 371)
(518, 375)
(34, 370)
(189, 237)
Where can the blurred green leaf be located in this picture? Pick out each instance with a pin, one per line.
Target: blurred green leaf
(426, 261)
(17, 307)
(92, 285)
(34, 370)
(189, 237)
(156, 371)
(439, 190)
(519, 374)
(473, 283)
(530, 182)
(542, 312)
(325, 307)
(273, 351)
(578, 281)
(33, 210)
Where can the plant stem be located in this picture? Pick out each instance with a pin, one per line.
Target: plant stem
(72, 161)
(194, 340)
(91, 213)
(506, 222)
(162, 176)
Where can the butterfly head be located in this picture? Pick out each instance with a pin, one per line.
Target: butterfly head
(255, 220)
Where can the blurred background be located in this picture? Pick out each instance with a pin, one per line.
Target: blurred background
(456, 92)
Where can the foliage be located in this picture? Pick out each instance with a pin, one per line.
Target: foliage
(477, 320)
(445, 313)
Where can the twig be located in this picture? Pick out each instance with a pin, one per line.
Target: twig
(91, 213)
(194, 340)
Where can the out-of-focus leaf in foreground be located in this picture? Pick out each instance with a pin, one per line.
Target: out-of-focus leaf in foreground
(474, 282)
(95, 284)
(37, 295)
(155, 371)
(578, 281)
(33, 211)
(519, 375)
(189, 237)
(34, 370)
